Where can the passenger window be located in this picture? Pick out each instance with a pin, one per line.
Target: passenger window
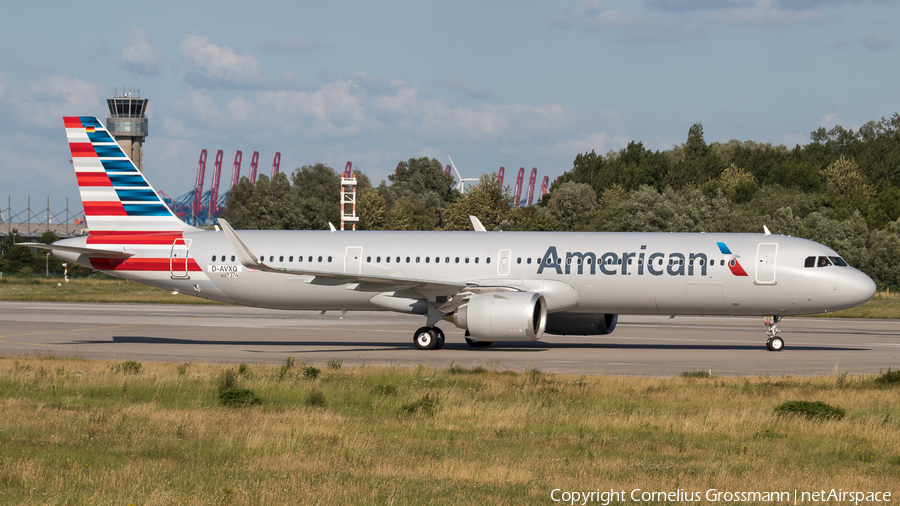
(457, 260)
(569, 261)
(437, 260)
(519, 260)
(387, 259)
(467, 259)
(528, 261)
(427, 260)
(329, 259)
(291, 258)
(369, 260)
(488, 259)
(320, 259)
(281, 258)
(232, 258)
(300, 259)
(214, 258)
(310, 259)
(824, 262)
(417, 259)
(722, 262)
(660, 261)
(271, 258)
(809, 262)
(262, 259)
(378, 260)
(629, 261)
(476, 260)
(838, 261)
(398, 260)
(407, 259)
(619, 262)
(446, 260)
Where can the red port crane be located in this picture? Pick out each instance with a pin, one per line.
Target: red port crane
(348, 170)
(198, 187)
(545, 187)
(276, 164)
(519, 180)
(236, 173)
(212, 209)
(500, 174)
(254, 162)
(531, 181)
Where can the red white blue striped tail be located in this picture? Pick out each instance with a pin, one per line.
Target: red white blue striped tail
(116, 196)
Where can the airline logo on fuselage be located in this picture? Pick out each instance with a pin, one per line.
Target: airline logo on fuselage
(655, 264)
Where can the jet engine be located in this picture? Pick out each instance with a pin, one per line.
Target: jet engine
(503, 316)
(581, 324)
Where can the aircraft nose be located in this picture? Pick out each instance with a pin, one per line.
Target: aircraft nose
(862, 286)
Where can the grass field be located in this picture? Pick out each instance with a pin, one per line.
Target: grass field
(75, 431)
(90, 290)
(883, 305)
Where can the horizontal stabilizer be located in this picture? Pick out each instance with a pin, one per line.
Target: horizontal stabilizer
(94, 252)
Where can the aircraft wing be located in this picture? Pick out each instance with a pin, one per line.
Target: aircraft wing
(94, 252)
(366, 281)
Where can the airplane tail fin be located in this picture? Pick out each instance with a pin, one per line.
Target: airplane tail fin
(116, 196)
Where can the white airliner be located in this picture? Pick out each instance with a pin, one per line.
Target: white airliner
(498, 286)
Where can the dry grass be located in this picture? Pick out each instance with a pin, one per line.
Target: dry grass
(74, 431)
(90, 290)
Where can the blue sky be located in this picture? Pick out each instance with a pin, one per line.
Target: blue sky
(495, 83)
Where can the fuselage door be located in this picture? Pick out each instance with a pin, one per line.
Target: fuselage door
(765, 263)
(353, 259)
(504, 258)
(178, 260)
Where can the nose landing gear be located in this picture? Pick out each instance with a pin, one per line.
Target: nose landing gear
(773, 343)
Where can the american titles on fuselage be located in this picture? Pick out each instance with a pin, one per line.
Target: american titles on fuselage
(612, 263)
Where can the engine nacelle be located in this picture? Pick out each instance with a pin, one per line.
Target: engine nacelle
(581, 324)
(503, 316)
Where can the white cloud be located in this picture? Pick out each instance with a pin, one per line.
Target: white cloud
(792, 139)
(337, 109)
(140, 55)
(829, 120)
(240, 108)
(764, 12)
(218, 65)
(600, 143)
(45, 102)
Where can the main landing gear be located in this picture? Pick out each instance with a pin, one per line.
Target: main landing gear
(773, 343)
(429, 338)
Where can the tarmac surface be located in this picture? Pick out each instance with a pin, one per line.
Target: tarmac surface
(641, 344)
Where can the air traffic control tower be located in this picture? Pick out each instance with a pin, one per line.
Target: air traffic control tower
(127, 123)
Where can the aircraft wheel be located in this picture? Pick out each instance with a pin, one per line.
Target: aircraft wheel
(425, 339)
(478, 344)
(440, 338)
(775, 344)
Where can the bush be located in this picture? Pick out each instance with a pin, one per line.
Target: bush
(287, 366)
(456, 369)
(696, 374)
(817, 409)
(310, 372)
(227, 380)
(335, 364)
(128, 367)
(243, 369)
(888, 378)
(424, 405)
(315, 399)
(238, 398)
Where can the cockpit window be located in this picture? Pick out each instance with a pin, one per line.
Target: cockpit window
(824, 262)
(810, 262)
(838, 261)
